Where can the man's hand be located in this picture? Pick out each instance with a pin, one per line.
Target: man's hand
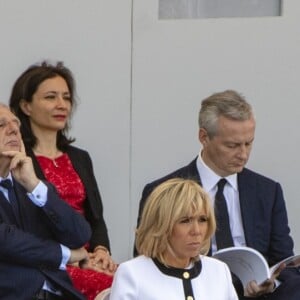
(78, 256)
(254, 290)
(22, 169)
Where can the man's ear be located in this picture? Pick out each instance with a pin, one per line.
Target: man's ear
(25, 107)
(203, 136)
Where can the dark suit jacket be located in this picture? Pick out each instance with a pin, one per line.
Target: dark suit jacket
(93, 207)
(263, 211)
(30, 249)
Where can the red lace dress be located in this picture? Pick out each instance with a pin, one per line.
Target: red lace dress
(62, 175)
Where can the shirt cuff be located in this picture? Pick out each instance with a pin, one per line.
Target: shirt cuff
(66, 253)
(277, 283)
(39, 195)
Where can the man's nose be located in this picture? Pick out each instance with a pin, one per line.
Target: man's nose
(243, 152)
(12, 127)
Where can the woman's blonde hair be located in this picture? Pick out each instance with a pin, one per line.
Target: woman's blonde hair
(166, 205)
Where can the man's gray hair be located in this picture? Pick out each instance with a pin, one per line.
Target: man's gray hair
(229, 104)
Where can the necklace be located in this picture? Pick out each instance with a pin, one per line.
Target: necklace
(51, 157)
(55, 163)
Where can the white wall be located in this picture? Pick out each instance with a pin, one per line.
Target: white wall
(93, 38)
(176, 63)
(137, 128)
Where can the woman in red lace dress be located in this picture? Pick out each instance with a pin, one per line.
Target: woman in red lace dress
(43, 98)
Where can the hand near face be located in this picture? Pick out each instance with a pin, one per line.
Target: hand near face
(21, 168)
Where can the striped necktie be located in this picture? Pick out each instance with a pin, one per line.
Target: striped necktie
(7, 184)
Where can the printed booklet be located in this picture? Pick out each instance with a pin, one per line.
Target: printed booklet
(248, 264)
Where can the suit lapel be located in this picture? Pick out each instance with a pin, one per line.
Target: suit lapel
(191, 171)
(247, 195)
(24, 204)
(7, 209)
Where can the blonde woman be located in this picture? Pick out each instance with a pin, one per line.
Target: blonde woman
(173, 237)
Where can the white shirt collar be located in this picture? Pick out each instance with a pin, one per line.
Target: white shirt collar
(8, 177)
(210, 179)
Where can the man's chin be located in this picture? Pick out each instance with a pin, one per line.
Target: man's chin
(234, 169)
(238, 169)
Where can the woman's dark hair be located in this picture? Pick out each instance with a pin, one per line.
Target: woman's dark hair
(25, 87)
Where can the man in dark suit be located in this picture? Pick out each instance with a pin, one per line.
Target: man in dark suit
(39, 233)
(255, 203)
